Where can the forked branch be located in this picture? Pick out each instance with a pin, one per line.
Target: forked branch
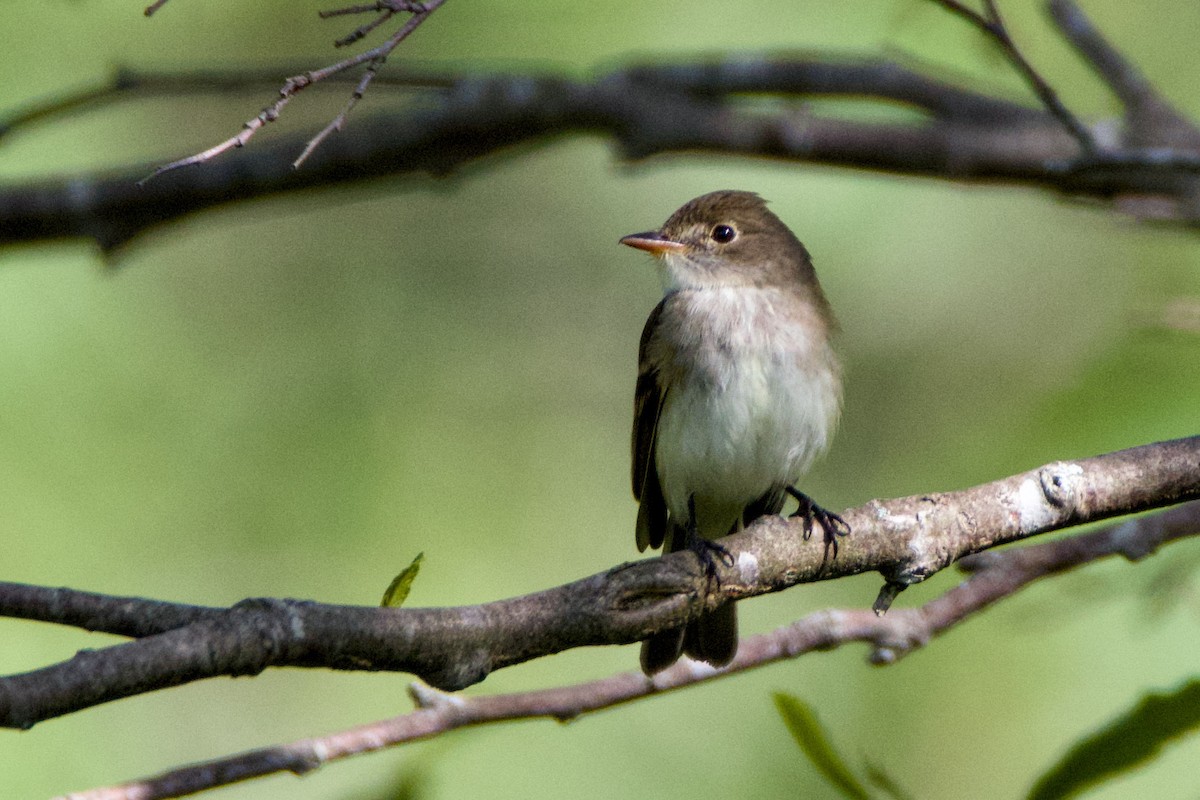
(1149, 167)
(905, 539)
(992, 25)
(995, 576)
(385, 10)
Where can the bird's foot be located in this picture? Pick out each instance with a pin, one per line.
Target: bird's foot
(708, 551)
(831, 524)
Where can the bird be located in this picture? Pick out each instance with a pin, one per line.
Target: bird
(739, 389)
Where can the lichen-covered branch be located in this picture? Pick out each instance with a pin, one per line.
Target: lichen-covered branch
(906, 540)
(994, 576)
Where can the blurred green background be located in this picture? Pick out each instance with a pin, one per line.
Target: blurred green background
(294, 397)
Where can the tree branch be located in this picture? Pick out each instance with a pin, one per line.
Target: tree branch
(1149, 169)
(994, 576)
(127, 82)
(906, 540)
(991, 24)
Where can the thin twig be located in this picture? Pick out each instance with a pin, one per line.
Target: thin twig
(382, 5)
(386, 10)
(1152, 122)
(293, 85)
(249, 128)
(995, 576)
(125, 81)
(1181, 314)
(361, 31)
(992, 25)
(692, 109)
(1122, 77)
(336, 123)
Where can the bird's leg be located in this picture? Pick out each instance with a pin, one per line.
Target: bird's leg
(706, 550)
(831, 524)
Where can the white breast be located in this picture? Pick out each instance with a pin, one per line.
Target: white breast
(753, 411)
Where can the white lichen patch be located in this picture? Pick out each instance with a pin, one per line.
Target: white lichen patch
(1060, 482)
(1034, 511)
(747, 566)
(919, 543)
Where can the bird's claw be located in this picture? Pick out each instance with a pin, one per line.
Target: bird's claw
(708, 551)
(832, 525)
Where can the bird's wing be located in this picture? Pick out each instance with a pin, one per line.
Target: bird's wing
(647, 406)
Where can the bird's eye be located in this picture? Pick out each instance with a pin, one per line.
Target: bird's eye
(723, 234)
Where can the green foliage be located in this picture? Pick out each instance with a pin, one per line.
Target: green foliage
(877, 775)
(1171, 584)
(801, 720)
(808, 732)
(401, 585)
(1123, 745)
(412, 782)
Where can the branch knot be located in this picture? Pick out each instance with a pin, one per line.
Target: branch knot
(1060, 482)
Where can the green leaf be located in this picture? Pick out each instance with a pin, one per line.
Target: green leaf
(806, 729)
(397, 593)
(886, 783)
(1123, 744)
(1170, 584)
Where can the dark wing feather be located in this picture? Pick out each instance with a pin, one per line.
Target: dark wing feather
(647, 406)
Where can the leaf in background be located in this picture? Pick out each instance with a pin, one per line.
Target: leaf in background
(397, 593)
(889, 785)
(1127, 742)
(1171, 584)
(806, 729)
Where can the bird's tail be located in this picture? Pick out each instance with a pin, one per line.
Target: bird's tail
(662, 650)
(712, 638)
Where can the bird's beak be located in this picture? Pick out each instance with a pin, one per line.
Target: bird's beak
(653, 242)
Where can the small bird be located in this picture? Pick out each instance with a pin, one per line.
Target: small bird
(738, 390)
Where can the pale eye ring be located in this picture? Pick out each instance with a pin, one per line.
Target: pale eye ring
(723, 234)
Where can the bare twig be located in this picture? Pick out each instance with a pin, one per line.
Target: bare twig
(812, 76)
(128, 82)
(1152, 123)
(995, 576)
(1149, 169)
(1124, 79)
(134, 617)
(991, 24)
(336, 123)
(380, 6)
(295, 84)
(386, 10)
(906, 540)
